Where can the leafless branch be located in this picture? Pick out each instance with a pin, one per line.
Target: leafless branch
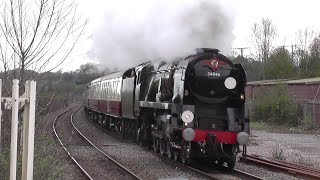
(39, 34)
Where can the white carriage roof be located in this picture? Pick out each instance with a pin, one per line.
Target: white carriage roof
(109, 76)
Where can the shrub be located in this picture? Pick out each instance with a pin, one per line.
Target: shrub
(277, 153)
(4, 163)
(274, 105)
(307, 122)
(47, 164)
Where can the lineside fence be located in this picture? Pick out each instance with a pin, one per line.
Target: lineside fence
(312, 110)
(27, 101)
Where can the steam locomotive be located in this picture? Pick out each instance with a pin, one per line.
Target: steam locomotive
(188, 109)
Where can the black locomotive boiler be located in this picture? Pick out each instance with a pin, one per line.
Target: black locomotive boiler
(191, 108)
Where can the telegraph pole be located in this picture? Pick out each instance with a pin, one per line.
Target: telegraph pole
(241, 50)
(293, 46)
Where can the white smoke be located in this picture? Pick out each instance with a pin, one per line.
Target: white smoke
(133, 32)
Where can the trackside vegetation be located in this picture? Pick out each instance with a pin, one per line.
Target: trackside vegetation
(274, 106)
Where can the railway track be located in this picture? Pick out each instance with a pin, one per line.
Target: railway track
(103, 163)
(283, 166)
(215, 174)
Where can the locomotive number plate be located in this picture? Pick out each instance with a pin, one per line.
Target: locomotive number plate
(214, 74)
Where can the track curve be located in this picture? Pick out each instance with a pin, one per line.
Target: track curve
(74, 160)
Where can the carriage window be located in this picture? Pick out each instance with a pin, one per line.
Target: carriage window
(114, 92)
(104, 90)
(93, 91)
(100, 91)
(107, 90)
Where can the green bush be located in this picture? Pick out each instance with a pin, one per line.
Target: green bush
(47, 164)
(4, 163)
(307, 122)
(47, 160)
(274, 105)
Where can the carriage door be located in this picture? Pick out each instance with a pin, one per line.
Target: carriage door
(127, 94)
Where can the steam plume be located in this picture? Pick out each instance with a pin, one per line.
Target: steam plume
(132, 33)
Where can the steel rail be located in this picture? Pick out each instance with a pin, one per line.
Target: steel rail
(177, 164)
(310, 169)
(106, 155)
(289, 168)
(248, 175)
(63, 146)
(184, 167)
(204, 174)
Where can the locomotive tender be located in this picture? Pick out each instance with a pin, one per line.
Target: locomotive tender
(188, 109)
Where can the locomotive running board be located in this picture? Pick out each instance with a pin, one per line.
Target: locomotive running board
(156, 105)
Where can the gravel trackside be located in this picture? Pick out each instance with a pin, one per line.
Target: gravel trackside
(298, 148)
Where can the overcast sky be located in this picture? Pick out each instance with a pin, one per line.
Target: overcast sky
(288, 15)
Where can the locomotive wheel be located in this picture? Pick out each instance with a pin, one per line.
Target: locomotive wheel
(155, 144)
(131, 130)
(176, 156)
(99, 119)
(231, 162)
(138, 137)
(220, 162)
(94, 117)
(122, 129)
(143, 137)
(186, 153)
(169, 151)
(107, 119)
(162, 146)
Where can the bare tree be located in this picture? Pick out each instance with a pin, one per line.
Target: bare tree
(304, 38)
(263, 36)
(37, 35)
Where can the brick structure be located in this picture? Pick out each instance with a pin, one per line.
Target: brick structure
(306, 91)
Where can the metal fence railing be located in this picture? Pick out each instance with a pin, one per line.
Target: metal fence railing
(312, 111)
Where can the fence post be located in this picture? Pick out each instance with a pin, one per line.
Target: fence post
(28, 131)
(14, 130)
(25, 129)
(305, 110)
(314, 113)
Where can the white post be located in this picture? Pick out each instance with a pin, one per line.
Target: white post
(28, 131)
(25, 130)
(14, 130)
(0, 110)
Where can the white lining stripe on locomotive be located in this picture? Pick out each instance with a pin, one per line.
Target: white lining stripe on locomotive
(157, 105)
